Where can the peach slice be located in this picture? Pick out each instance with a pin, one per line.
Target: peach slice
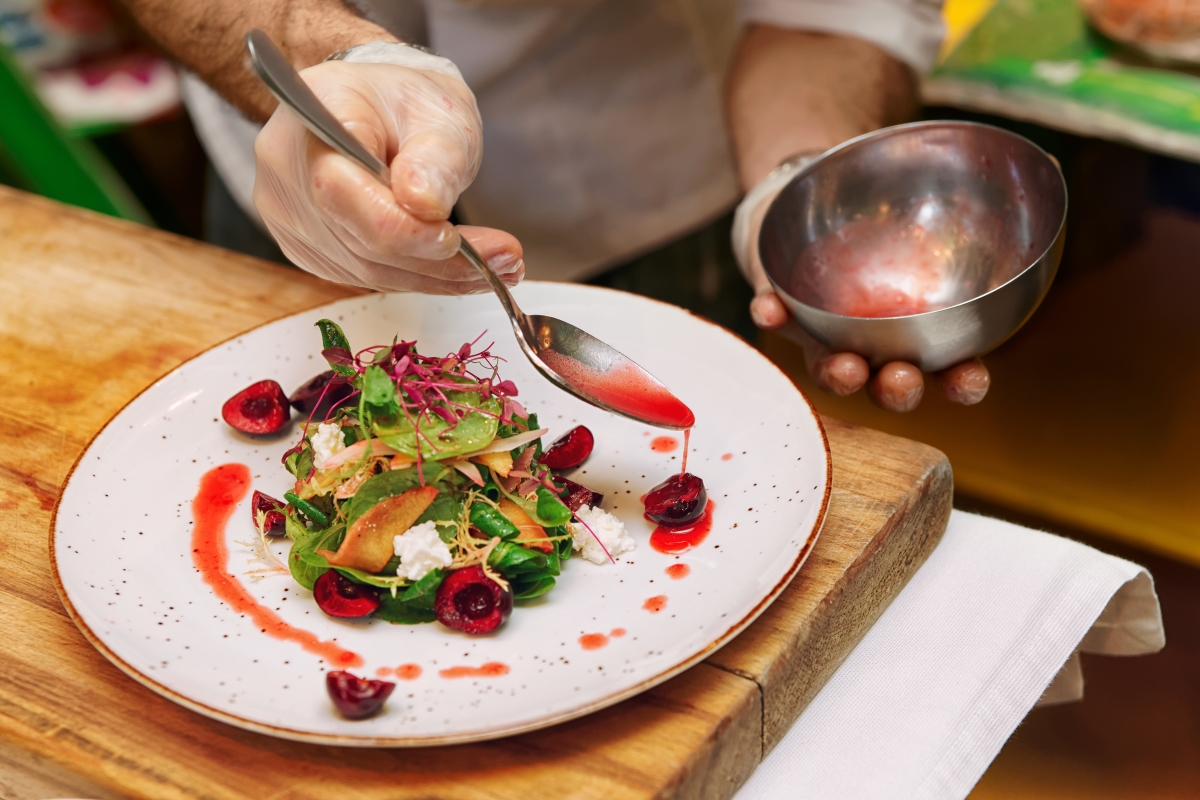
(499, 463)
(531, 534)
(369, 543)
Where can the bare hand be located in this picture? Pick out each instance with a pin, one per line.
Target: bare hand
(897, 386)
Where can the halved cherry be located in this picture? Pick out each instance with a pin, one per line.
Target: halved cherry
(570, 450)
(260, 408)
(354, 697)
(276, 522)
(678, 500)
(578, 496)
(338, 596)
(309, 401)
(471, 602)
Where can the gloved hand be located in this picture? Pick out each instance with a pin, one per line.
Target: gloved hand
(335, 219)
(897, 386)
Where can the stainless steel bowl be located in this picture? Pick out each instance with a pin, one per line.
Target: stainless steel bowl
(930, 243)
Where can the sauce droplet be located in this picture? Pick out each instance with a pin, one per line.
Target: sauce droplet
(221, 489)
(655, 604)
(593, 641)
(383, 672)
(408, 672)
(664, 444)
(678, 571)
(617, 633)
(492, 669)
(727, 457)
(682, 538)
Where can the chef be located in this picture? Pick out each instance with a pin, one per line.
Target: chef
(612, 128)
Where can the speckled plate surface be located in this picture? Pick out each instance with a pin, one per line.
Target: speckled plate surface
(121, 539)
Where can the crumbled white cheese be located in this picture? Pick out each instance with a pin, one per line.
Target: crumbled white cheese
(421, 550)
(606, 527)
(325, 442)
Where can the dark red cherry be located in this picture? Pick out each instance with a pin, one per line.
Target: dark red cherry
(577, 495)
(354, 697)
(570, 450)
(258, 409)
(678, 500)
(471, 602)
(309, 401)
(276, 522)
(338, 596)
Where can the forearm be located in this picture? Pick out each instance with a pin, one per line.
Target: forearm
(792, 91)
(208, 36)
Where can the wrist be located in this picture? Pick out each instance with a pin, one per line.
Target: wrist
(309, 37)
(399, 54)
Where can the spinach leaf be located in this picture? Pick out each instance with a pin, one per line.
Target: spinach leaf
(446, 506)
(550, 510)
(379, 389)
(440, 438)
(422, 593)
(394, 610)
(305, 563)
(512, 559)
(415, 604)
(336, 348)
(300, 464)
(525, 589)
(389, 484)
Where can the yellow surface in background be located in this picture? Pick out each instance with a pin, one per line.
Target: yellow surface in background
(1092, 418)
(961, 17)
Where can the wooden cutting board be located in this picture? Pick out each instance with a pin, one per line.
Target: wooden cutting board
(95, 309)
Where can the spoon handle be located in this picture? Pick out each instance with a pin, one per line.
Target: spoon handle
(290, 89)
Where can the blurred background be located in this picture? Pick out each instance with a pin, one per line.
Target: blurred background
(1089, 429)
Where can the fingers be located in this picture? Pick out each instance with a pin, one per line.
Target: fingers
(966, 383)
(360, 204)
(897, 387)
(429, 172)
(842, 374)
(768, 311)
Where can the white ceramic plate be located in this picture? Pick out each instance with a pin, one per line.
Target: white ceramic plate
(120, 542)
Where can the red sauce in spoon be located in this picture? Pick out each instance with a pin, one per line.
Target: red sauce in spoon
(221, 489)
(625, 388)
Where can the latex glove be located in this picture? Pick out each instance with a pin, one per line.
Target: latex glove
(897, 386)
(335, 219)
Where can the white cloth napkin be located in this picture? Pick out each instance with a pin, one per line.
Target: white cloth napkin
(990, 624)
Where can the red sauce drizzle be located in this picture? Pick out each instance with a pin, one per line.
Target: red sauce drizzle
(593, 641)
(408, 672)
(655, 604)
(383, 672)
(680, 539)
(492, 669)
(221, 489)
(663, 444)
(616, 633)
(687, 445)
(727, 457)
(678, 571)
(625, 388)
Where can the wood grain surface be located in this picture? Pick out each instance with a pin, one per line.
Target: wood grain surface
(96, 309)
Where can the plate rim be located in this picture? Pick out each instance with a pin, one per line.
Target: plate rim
(549, 720)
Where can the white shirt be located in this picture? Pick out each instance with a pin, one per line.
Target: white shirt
(603, 129)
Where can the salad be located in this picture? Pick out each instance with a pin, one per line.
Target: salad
(423, 491)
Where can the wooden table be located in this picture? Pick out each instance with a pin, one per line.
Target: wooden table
(95, 309)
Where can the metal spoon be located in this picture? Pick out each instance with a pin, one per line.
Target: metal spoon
(567, 356)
